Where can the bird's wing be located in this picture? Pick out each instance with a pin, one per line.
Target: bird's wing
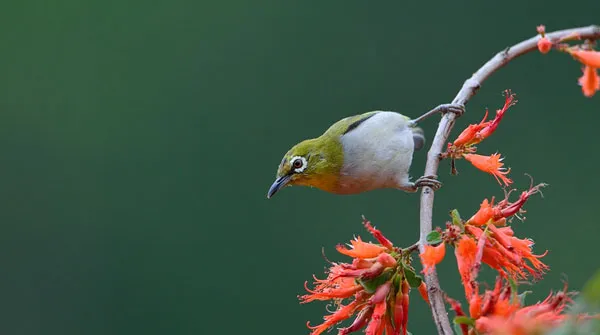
(355, 121)
(351, 123)
(348, 124)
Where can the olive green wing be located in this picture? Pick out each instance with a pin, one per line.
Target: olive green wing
(346, 125)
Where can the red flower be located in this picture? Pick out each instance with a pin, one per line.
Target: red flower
(468, 136)
(485, 213)
(544, 45)
(377, 323)
(475, 133)
(510, 317)
(507, 254)
(457, 308)
(496, 214)
(336, 288)
(377, 234)
(432, 256)
(361, 249)
(590, 82)
(500, 312)
(495, 246)
(465, 252)
(586, 57)
(518, 250)
(490, 128)
(423, 292)
(464, 145)
(341, 314)
(375, 284)
(492, 165)
(502, 252)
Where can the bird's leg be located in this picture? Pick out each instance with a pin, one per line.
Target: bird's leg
(444, 108)
(430, 181)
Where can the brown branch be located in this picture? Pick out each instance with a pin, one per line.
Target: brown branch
(468, 90)
(412, 248)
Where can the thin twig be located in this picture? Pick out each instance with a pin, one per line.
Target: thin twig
(468, 90)
(412, 248)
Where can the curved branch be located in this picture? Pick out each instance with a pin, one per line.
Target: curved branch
(468, 90)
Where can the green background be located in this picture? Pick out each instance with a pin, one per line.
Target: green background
(138, 140)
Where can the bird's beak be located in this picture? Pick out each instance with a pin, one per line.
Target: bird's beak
(277, 185)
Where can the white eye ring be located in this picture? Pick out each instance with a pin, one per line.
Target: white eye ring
(301, 168)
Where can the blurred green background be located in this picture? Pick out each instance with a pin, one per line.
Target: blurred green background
(138, 140)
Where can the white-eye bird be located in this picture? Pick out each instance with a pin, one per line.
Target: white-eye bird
(358, 154)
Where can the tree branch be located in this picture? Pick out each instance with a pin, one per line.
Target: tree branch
(468, 90)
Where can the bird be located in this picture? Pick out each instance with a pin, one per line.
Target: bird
(358, 154)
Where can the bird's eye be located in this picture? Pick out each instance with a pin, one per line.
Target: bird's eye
(298, 164)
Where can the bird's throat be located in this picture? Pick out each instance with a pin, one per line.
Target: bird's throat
(325, 182)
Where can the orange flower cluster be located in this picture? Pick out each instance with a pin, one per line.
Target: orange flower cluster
(377, 284)
(589, 81)
(501, 311)
(464, 145)
(484, 238)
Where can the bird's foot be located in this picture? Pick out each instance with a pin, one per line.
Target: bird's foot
(430, 181)
(457, 109)
(444, 108)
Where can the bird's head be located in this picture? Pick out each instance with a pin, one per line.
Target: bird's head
(315, 162)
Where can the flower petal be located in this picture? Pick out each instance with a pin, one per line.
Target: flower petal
(492, 165)
(341, 314)
(466, 251)
(468, 135)
(432, 256)
(361, 249)
(589, 81)
(483, 215)
(587, 57)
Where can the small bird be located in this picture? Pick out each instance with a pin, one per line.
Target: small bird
(358, 154)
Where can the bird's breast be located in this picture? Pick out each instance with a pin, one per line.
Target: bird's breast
(377, 154)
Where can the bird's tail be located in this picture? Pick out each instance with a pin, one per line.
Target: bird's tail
(418, 137)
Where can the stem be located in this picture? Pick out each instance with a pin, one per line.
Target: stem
(468, 90)
(412, 248)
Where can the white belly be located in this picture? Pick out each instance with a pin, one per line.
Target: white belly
(377, 154)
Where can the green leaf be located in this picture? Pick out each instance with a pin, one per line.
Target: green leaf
(371, 286)
(396, 281)
(456, 220)
(464, 320)
(591, 290)
(434, 237)
(412, 278)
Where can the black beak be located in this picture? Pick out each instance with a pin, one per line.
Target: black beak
(277, 185)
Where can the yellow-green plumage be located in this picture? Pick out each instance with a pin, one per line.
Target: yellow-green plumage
(356, 154)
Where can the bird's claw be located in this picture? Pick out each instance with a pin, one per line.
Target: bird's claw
(429, 181)
(457, 109)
